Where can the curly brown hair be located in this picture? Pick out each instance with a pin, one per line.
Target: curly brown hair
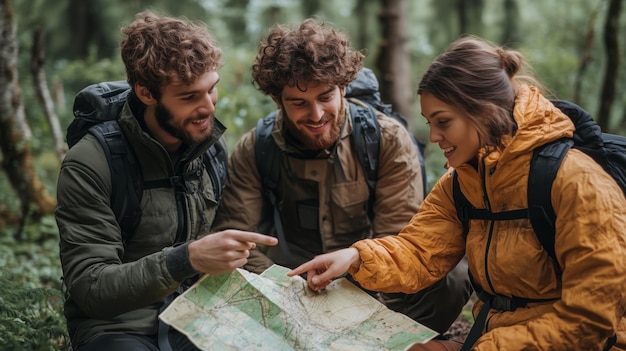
(160, 50)
(313, 51)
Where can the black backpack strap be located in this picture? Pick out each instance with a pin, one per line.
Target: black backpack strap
(461, 203)
(544, 165)
(215, 160)
(126, 177)
(267, 157)
(497, 302)
(267, 152)
(466, 211)
(366, 139)
(421, 152)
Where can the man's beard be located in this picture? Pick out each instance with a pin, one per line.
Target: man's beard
(310, 141)
(164, 117)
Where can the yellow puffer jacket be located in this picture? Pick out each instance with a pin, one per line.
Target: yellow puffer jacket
(506, 258)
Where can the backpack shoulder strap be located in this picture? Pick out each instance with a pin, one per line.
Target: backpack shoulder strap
(373, 105)
(366, 139)
(466, 211)
(461, 203)
(267, 152)
(544, 165)
(267, 158)
(215, 160)
(126, 176)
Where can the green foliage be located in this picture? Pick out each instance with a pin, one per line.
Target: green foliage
(240, 104)
(77, 74)
(30, 291)
(8, 198)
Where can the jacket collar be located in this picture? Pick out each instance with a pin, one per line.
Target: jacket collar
(132, 120)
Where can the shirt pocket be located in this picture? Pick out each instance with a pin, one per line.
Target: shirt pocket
(349, 209)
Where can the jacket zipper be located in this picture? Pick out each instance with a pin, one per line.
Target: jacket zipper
(491, 225)
(181, 206)
(180, 209)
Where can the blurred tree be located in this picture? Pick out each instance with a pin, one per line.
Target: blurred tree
(89, 29)
(362, 17)
(470, 14)
(586, 56)
(15, 133)
(393, 58)
(43, 93)
(611, 43)
(510, 27)
(444, 27)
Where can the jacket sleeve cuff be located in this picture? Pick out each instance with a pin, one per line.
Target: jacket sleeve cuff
(177, 262)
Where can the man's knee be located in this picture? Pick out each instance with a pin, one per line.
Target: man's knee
(119, 341)
(438, 305)
(458, 282)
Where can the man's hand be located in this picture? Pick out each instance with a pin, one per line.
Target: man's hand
(321, 270)
(225, 251)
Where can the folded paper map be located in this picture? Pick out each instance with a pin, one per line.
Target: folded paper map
(271, 311)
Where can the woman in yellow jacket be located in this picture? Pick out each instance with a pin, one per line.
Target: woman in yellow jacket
(487, 119)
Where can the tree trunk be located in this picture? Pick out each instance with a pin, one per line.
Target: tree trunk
(360, 12)
(586, 56)
(611, 28)
(393, 60)
(510, 31)
(470, 14)
(15, 134)
(88, 30)
(43, 94)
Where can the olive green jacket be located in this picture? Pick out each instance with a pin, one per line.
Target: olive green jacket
(115, 288)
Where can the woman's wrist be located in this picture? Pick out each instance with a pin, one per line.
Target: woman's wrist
(355, 259)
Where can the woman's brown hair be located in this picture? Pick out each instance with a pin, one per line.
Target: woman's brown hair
(480, 78)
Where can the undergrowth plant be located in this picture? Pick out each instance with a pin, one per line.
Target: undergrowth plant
(31, 303)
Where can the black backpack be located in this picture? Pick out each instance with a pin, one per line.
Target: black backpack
(608, 150)
(96, 109)
(365, 136)
(365, 88)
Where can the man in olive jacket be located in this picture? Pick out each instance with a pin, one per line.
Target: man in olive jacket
(114, 290)
(322, 193)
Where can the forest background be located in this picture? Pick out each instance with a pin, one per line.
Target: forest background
(49, 50)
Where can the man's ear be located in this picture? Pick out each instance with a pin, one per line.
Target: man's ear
(144, 94)
(342, 91)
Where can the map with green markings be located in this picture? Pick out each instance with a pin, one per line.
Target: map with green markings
(271, 311)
